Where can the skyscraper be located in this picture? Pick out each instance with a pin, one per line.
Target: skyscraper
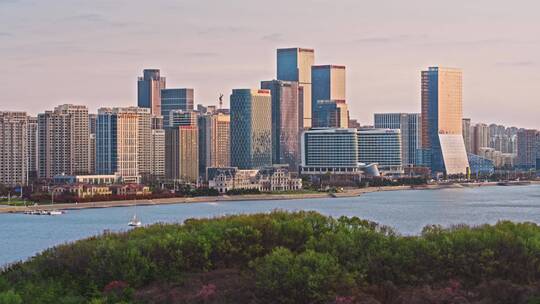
(480, 137)
(149, 90)
(285, 114)
(63, 141)
(182, 147)
(124, 143)
(442, 113)
(410, 126)
(13, 149)
(214, 141)
(294, 64)
(32, 146)
(251, 128)
(328, 83)
(331, 114)
(175, 99)
(527, 149)
(157, 156)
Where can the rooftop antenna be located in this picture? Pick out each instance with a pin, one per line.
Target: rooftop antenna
(220, 101)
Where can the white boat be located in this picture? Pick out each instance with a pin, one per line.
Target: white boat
(135, 222)
(56, 212)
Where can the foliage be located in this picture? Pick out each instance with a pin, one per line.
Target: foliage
(300, 257)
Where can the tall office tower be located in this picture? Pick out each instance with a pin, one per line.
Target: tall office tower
(123, 143)
(467, 133)
(92, 123)
(32, 146)
(13, 149)
(331, 114)
(381, 147)
(157, 122)
(175, 99)
(92, 126)
(442, 111)
(251, 128)
(149, 90)
(294, 64)
(480, 137)
(214, 141)
(330, 151)
(410, 126)
(182, 147)
(285, 114)
(157, 156)
(328, 83)
(63, 141)
(526, 150)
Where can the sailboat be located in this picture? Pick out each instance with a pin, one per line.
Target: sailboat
(135, 222)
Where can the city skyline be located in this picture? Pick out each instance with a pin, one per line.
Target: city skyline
(42, 37)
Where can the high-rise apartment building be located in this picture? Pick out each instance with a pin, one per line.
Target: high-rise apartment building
(442, 114)
(328, 83)
(157, 156)
(63, 141)
(32, 146)
(214, 141)
(13, 149)
(182, 147)
(285, 114)
(149, 88)
(331, 114)
(411, 133)
(381, 147)
(481, 137)
(294, 64)
(124, 143)
(330, 151)
(175, 99)
(251, 128)
(467, 133)
(527, 149)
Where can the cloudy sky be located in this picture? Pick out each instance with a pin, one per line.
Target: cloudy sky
(91, 51)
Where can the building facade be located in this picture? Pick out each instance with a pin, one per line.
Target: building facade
(149, 88)
(328, 83)
(331, 114)
(411, 133)
(285, 114)
(214, 141)
(481, 137)
(182, 147)
(381, 147)
(527, 149)
(442, 112)
(294, 64)
(175, 99)
(467, 134)
(251, 128)
(13, 149)
(32, 146)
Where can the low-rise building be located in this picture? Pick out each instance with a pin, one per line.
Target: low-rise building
(278, 179)
(267, 179)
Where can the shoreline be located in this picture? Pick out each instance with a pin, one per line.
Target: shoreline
(246, 197)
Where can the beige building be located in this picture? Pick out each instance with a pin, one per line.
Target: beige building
(157, 159)
(182, 147)
(214, 141)
(63, 141)
(32, 146)
(480, 137)
(13, 148)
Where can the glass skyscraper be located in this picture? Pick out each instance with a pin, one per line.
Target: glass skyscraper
(410, 126)
(294, 64)
(251, 128)
(149, 90)
(285, 115)
(331, 114)
(328, 83)
(442, 113)
(175, 99)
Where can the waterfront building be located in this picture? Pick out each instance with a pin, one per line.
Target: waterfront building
(251, 128)
(294, 64)
(480, 165)
(333, 151)
(527, 149)
(467, 134)
(331, 114)
(157, 155)
(328, 83)
(285, 115)
(182, 147)
(410, 126)
(175, 99)
(87, 179)
(149, 88)
(481, 137)
(214, 141)
(124, 143)
(381, 147)
(32, 147)
(63, 141)
(13, 148)
(278, 178)
(442, 107)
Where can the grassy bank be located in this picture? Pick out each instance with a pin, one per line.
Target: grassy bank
(285, 258)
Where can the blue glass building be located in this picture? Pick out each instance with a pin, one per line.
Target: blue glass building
(175, 99)
(106, 142)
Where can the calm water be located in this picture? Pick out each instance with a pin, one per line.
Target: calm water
(22, 236)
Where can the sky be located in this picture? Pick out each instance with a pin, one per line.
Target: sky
(92, 51)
